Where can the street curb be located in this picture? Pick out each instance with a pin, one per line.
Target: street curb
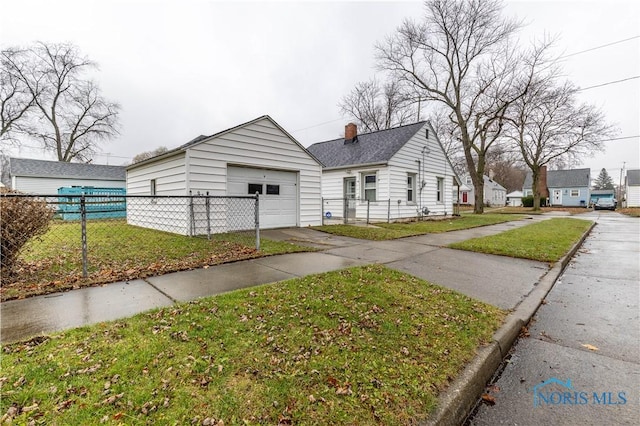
(455, 404)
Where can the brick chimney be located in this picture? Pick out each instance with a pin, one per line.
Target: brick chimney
(542, 183)
(350, 133)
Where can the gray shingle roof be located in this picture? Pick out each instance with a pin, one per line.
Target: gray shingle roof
(370, 148)
(633, 177)
(576, 178)
(58, 169)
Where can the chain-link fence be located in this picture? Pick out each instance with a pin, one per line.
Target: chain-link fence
(103, 238)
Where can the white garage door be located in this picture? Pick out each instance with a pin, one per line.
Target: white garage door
(278, 193)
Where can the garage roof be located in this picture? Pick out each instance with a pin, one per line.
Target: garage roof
(27, 167)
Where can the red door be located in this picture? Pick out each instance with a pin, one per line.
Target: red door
(464, 197)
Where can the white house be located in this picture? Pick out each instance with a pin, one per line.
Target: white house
(494, 194)
(632, 188)
(397, 173)
(46, 177)
(256, 156)
(514, 199)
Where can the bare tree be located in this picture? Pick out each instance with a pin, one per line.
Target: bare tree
(149, 154)
(73, 117)
(505, 166)
(16, 100)
(548, 124)
(461, 56)
(377, 106)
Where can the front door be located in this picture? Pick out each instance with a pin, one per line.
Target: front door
(350, 198)
(557, 197)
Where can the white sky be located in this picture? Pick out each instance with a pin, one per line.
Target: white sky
(184, 68)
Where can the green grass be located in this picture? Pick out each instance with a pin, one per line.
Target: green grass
(118, 251)
(389, 231)
(546, 241)
(360, 346)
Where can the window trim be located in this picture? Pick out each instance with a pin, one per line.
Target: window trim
(249, 185)
(577, 193)
(440, 190)
(364, 186)
(153, 187)
(411, 188)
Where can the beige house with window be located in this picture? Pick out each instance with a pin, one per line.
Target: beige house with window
(397, 173)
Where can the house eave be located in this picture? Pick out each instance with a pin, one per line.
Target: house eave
(355, 166)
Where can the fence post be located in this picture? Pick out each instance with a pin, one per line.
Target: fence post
(192, 224)
(368, 204)
(345, 214)
(257, 210)
(83, 221)
(208, 208)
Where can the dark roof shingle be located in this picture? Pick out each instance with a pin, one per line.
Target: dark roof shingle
(61, 169)
(633, 177)
(370, 148)
(563, 178)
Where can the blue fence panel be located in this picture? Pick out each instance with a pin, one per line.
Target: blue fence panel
(108, 207)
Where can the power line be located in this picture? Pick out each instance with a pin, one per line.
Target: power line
(608, 83)
(620, 138)
(318, 125)
(599, 47)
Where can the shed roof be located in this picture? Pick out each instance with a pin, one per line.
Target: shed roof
(370, 148)
(60, 169)
(575, 178)
(633, 177)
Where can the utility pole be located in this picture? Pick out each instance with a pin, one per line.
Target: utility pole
(620, 187)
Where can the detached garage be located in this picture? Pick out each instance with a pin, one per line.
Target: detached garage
(255, 157)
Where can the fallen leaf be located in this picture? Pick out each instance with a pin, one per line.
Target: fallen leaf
(488, 399)
(590, 347)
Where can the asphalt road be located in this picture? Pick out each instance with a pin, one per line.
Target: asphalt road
(580, 364)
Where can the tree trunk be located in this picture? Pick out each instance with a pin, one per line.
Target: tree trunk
(478, 194)
(535, 178)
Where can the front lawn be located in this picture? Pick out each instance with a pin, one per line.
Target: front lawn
(546, 241)
(118, 251)
(360, 346)
(389, 231)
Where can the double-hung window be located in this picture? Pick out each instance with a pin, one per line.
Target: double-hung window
(369, 186)
(411, 188)
(440, 191)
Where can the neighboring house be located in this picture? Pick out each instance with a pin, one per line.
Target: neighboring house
(568, 188)
(494, 194)
(46, 177)
(514, 199)
(632, 188)
(397, 173)
(256, 156)
(600, 194)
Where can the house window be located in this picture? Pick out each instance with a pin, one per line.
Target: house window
(255, 187)
(575, 192)
(440, 191)
(152, 187)
(369, 187)
(273, 189)
(411, 188)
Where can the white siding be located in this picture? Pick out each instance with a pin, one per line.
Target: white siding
(261, 144)
(49, 186)
(170, 215)
(633, 196)
(433, 164)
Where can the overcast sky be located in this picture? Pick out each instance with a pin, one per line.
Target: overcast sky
(184, 68)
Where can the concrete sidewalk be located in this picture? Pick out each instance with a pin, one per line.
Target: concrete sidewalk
(423, 256)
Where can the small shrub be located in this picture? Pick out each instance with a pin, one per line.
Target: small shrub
(528, 201)
(21, 218)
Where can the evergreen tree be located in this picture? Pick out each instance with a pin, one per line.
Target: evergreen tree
(603, 181)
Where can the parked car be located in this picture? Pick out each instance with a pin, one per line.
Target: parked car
(605, 204)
